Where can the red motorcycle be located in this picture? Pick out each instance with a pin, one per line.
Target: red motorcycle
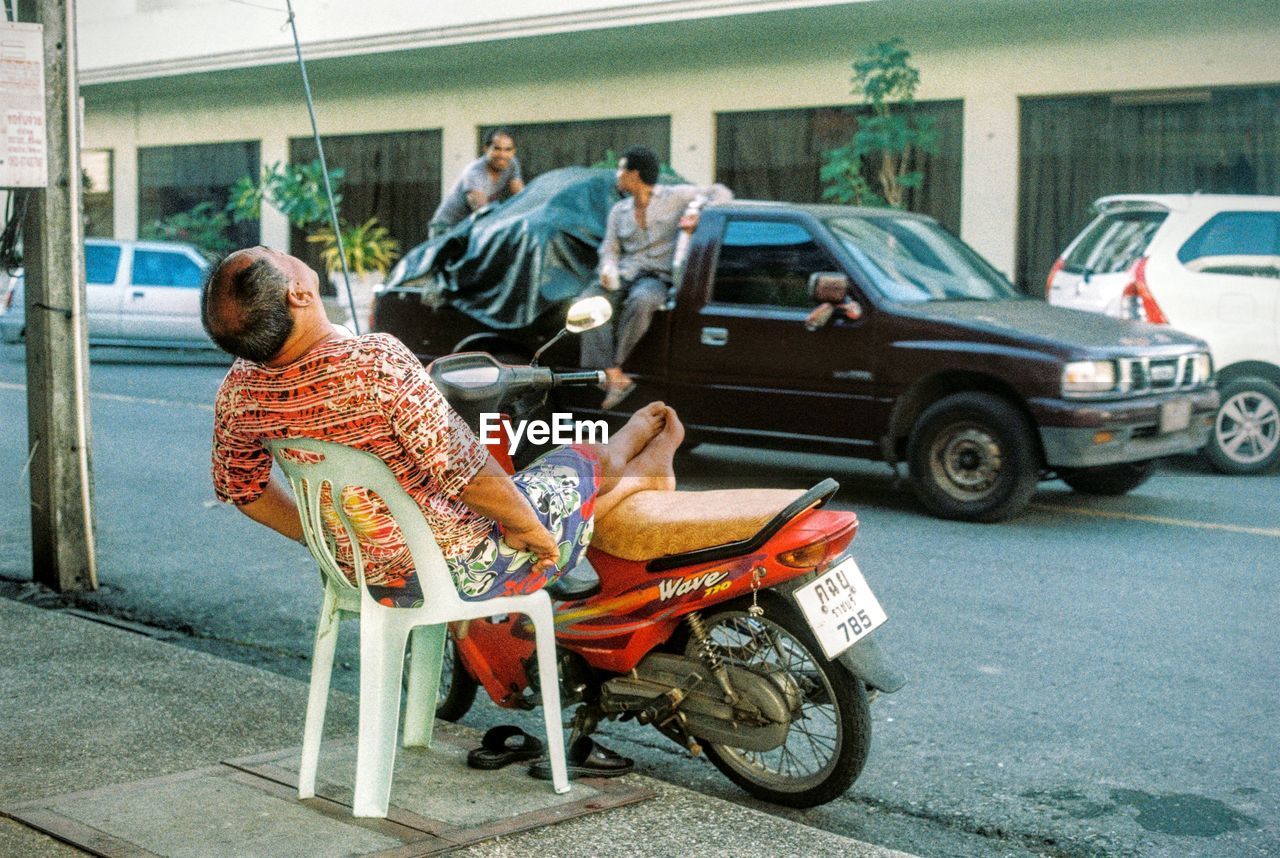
(743, 632)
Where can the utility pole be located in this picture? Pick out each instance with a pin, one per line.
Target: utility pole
(62, 544)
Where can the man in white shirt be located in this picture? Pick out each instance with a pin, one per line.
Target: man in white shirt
(636, 261)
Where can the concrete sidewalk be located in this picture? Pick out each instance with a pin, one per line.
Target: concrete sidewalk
(84, 706)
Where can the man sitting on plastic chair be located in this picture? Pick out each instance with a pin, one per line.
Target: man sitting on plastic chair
(299, 376)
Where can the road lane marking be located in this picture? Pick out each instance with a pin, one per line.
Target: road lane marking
(1273, 532)
(120, 397)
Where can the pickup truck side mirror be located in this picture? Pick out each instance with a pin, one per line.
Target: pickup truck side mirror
(831, 290)
(829, 287)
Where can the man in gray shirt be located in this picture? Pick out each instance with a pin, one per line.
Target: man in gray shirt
(489, 179)
(636, 261)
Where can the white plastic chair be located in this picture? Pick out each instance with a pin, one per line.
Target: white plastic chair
(384, 630)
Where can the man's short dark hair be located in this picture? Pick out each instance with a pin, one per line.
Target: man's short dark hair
(247, 313)
(495, 133)
(645, 161)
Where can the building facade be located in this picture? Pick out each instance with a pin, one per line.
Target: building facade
(1041, 106)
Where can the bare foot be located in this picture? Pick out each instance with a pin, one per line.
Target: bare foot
(640, 429)
(653, 468)
(672, 429)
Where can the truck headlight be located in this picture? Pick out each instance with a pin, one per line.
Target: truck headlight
(1202, 368)
(1088, 377)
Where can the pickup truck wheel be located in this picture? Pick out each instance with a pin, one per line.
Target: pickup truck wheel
(1109, 479)
(972, 457)
(1246, 431)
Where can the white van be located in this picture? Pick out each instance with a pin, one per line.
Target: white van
(1206, 264)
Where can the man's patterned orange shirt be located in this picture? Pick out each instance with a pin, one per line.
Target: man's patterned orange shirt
(370, 393)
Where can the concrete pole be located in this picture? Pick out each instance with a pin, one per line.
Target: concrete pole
(62, 545)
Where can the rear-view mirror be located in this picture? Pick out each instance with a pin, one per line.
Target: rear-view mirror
(587, 314)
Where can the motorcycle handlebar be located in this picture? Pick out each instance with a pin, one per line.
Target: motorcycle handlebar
(542, 378)
(585, 377)
(535, 377)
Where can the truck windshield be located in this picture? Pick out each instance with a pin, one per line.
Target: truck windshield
(916, 260)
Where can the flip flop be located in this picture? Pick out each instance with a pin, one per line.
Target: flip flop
(586, 759)
(614, 397)
(502, 746)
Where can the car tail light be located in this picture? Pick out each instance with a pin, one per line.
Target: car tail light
(1053, 272)
(1137, 300)
(8, 298)
(815, 554)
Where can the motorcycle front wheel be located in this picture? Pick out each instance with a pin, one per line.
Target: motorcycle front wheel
(830, 733)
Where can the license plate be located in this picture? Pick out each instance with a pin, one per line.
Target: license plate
(1175, 416)
(840, 608)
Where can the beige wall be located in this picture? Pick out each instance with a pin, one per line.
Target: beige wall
(120, 38)
(988, 70)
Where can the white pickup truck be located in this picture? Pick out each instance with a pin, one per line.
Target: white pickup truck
(139, 293)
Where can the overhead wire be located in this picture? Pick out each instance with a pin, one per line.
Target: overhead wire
(291, 22)
(11, 238)
(324, 168)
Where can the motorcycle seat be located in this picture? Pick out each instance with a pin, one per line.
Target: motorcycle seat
(652, 524)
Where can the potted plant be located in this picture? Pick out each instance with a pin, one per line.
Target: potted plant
(370, 251)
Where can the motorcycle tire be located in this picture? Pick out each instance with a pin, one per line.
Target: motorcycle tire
(804, 771)
(457, 687)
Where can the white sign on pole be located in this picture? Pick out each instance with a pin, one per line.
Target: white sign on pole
(23, 159)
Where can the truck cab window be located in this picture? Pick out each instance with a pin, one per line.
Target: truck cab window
(162, 268)
(101, 262)
(769, 263)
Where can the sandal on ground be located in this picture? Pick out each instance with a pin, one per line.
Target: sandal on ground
(586, 759)
(504, 745)
(616, 394)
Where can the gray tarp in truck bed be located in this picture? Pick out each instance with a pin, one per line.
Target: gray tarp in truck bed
(509, 264)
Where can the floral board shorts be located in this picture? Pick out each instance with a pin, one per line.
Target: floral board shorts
(561, 487)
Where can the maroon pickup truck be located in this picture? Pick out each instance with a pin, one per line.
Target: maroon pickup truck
(877, 334)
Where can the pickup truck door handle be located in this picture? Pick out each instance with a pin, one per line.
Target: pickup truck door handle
(715, 336)
(138, 293)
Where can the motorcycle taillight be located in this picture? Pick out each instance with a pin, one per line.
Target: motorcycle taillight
(817, 553)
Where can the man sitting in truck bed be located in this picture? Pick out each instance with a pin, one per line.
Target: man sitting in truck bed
(635, 261)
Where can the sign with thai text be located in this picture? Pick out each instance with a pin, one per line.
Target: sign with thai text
(23, 153)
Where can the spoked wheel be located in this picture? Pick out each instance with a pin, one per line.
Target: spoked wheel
(830, 733)
(457, 687)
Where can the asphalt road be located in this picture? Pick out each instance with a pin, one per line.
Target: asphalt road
(1096, 677)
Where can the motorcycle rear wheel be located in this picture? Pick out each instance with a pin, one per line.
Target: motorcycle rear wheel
(830, 734)
(457, 687)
